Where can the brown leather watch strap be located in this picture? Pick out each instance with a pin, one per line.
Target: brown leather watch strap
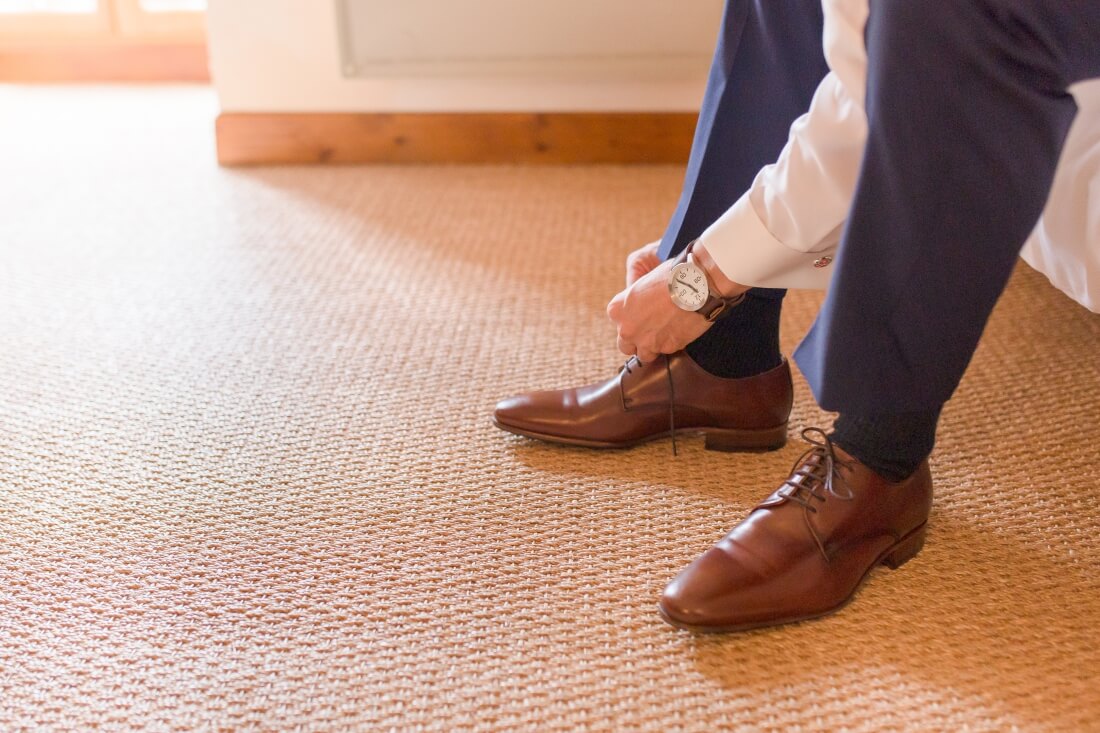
(715, 306)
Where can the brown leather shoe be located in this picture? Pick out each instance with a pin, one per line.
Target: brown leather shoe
(804, 551)
(645, 401)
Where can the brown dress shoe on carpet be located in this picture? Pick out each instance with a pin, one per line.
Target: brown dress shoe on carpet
(804, 551)
(645, 401)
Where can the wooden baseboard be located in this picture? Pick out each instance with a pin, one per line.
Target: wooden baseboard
(530, 138)
(107, 62)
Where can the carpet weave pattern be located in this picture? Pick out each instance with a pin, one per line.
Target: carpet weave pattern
(249, 479)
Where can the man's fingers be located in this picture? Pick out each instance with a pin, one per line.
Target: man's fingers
(631, 269)
(626, 347)
(673, 342)
(639, 268)
(646, 349)
(641, 261)
(615, 307)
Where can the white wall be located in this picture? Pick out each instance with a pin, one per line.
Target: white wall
(286, 55)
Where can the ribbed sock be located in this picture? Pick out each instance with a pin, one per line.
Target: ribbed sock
(892, 446)
(744, 342)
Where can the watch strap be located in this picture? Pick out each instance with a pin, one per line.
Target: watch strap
(715, 306)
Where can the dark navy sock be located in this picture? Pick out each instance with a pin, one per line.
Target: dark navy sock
(892, 446)
(745, 341)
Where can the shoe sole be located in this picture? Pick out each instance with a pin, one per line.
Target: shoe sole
(894, 557)
(716, 439)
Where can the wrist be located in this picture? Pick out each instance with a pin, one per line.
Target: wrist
(726, 288)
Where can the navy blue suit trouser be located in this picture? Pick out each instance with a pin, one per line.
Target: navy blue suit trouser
(967, 108)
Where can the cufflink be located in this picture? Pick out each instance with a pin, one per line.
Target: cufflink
(823, 262)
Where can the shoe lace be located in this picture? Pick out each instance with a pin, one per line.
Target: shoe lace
(626, 369)
(816, 469)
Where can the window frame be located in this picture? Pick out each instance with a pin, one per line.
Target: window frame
(113, 21)
(134, 22)
(40, 26)
(119, 42)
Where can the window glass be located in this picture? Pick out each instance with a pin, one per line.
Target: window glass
(173, 6)
(49, 6)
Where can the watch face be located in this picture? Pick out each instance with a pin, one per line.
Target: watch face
(687, 285)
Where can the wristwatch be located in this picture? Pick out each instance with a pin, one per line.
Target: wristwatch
(691, 288)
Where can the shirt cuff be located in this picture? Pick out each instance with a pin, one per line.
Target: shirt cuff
(747, 253)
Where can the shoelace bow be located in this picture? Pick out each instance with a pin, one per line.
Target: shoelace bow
(818, 474)
(671, 394)
(809, 475)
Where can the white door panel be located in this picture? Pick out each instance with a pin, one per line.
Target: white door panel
(646, 39)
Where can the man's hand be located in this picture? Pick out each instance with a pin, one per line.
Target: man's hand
(648, 322)
(641, 261)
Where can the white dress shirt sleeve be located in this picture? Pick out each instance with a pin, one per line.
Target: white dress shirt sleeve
(784, 231)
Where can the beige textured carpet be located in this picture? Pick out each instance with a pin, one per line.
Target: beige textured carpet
(249, 479)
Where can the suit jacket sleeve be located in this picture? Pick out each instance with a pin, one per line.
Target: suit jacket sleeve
(783, 232)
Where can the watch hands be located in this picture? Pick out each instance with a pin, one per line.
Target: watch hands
(688, 286)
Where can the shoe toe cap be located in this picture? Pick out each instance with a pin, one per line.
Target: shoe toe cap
(721, 592)
(511, 409)
(525, 412)
(537, 411)
(708, 594)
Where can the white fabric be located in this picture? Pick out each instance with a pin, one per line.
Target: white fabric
(1065, 246)
(783, 231)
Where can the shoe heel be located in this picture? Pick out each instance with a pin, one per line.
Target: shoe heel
(907, 549)
(729, 441)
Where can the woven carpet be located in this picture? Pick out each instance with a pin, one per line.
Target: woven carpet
(249, 480)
